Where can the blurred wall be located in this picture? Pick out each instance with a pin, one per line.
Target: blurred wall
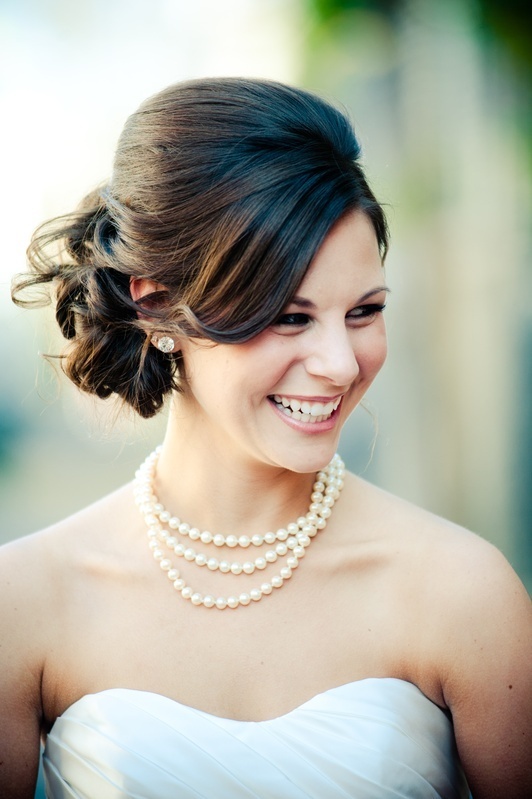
(437, 92)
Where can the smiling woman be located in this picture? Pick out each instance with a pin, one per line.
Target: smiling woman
(234, 264)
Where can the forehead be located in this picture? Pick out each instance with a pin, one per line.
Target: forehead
(349, 255)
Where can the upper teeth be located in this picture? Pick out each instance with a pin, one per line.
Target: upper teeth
(305, 407)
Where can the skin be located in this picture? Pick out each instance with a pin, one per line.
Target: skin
(85, 608)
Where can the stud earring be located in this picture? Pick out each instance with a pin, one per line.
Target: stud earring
(164, 343)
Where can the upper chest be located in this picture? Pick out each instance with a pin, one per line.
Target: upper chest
(334, 622)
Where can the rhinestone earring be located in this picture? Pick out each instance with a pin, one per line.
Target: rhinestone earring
(164, 343)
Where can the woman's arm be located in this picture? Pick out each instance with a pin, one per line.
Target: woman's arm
(488, 675)
(22, 633)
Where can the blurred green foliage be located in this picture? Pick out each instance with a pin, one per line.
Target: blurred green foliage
(508, 21)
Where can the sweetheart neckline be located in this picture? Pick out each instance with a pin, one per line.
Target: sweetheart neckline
(227, 720)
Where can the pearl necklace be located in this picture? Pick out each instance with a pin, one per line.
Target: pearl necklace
(292, 540)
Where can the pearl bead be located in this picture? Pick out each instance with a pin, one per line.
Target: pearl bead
(218, 540)
(200, 559)
(255, 594)
(292, 542)
(196, 599)
(244, 599)
(194, 533)
(165, 564)
(328, 502)
(179, 584)
(292, 528)
(174, 523)
(299, 552)
(212, 564)
(153, 544)
(208, 601)
(325, 513)
(319, 485)
(236, 568)
(225, 566)
(260, 563)
(301, 521)
(270, 556)
(277, 581)
(232, 602)
(292, 562)
(179, 549)
(186, 592)
(304, 541)
(231, 540)
(248, 567)
(266, 588)
(184, 528)
(221, 603)
(164, 516)
(316, 496)
(158, 554)
(269, 538)
(244, 541)
(281, 535)
(257, 540)
(173, 574)
(206, 537)
(189, 554)
(285, 572)
(171, 541)
(281, 549)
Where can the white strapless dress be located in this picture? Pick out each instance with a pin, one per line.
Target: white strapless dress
(370, 739)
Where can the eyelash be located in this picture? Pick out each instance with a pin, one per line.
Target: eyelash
(301, 319)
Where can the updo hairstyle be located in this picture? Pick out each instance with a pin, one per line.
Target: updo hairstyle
(222, 191)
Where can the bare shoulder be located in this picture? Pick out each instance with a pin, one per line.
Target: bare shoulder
(37, 574)
(474, 618)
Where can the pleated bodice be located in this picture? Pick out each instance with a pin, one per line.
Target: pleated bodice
(374, 738)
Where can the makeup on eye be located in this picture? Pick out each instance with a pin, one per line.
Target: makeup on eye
(365, 311)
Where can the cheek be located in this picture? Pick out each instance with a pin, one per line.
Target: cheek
(373, 353)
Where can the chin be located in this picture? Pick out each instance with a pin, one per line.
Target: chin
(308, 459)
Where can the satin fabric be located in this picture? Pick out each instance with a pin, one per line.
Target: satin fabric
(374, 738)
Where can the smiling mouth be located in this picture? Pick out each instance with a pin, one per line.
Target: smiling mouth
(304, 410)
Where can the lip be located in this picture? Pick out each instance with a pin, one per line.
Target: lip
(307, 427)
(310, 399)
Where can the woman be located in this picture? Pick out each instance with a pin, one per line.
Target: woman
(297, 632)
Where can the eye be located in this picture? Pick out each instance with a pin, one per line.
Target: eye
(365, 314)
(292, 320)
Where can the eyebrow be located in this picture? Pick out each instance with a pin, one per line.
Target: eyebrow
(301, 302)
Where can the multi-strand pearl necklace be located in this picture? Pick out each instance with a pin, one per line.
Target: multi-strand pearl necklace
(290, 541)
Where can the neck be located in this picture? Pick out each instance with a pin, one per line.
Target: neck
(211, 488)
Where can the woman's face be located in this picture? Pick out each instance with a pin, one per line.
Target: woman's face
(282, 397)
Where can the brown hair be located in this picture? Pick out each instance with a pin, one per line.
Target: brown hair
(222, 191)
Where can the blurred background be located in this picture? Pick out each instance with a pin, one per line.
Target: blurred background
(440, 96)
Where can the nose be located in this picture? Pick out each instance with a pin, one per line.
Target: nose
(332, 355)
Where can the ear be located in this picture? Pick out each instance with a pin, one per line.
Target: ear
(141, 287)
